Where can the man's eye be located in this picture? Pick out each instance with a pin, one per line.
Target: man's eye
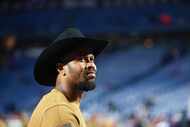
(91, 58)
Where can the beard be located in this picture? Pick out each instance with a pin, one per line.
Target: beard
(85, 86)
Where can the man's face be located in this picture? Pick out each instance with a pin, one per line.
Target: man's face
(82, 72)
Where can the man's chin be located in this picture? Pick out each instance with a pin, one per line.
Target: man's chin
(86, 86)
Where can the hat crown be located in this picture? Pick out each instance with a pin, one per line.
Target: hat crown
(70, 33)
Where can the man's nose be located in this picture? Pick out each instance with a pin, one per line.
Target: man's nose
(91, 66)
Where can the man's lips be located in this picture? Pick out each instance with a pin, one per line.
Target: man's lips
(91, 75)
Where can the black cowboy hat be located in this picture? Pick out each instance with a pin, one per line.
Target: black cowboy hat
(65, 48)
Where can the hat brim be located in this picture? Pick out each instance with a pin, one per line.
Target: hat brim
(45, 72)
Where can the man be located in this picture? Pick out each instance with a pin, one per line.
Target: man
(67, 65)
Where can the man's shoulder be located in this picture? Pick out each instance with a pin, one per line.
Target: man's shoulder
(56, 115)
(50, 100)
(63, 113)
(53, 107)
(54, 111)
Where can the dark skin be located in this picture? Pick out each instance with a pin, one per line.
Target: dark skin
(79, 72)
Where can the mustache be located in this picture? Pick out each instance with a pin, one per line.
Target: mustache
(90, 70)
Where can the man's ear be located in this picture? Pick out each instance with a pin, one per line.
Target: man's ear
(59, 67)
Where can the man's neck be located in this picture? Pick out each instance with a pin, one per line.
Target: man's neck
(71, 95)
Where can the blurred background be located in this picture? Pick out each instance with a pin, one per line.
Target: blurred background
(143, 76)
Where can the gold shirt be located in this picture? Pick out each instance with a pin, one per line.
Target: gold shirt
(54, 110)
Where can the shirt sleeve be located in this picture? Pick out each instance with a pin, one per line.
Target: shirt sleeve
(59, 116)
